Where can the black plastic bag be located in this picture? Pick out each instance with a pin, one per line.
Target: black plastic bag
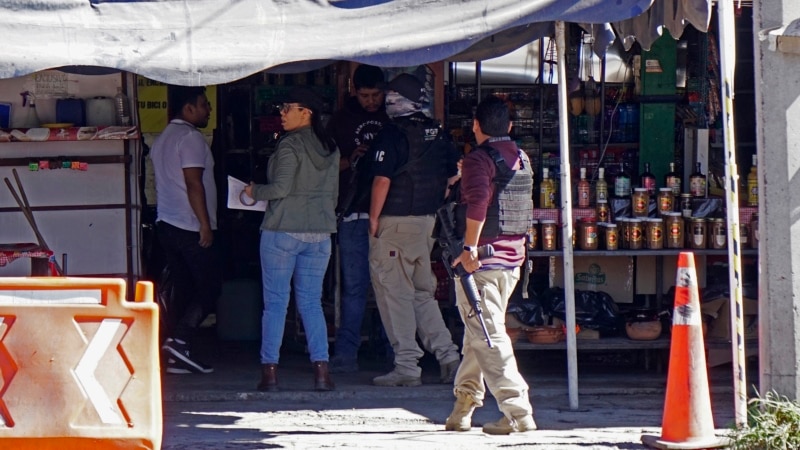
(593, 309)
(531, 312)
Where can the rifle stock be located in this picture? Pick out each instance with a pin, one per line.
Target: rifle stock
(451, 247)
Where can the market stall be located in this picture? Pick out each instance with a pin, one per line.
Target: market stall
(213, 42)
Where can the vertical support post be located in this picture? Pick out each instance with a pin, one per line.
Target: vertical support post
(566, 215)
(727, 32)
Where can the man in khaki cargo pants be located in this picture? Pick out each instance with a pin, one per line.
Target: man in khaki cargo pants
(495, 192)
(411, 165)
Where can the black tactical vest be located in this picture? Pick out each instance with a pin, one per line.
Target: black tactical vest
(418, 187)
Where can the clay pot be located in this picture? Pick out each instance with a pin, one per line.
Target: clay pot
(545, 334)
(513, 334)
(643, 331)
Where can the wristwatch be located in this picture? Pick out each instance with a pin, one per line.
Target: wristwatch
(470, 248)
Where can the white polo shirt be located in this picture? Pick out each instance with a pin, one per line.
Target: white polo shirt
(182, 146)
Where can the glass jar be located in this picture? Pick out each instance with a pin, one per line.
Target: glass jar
(655, 234)
(666, 201)
(587, 234)
(602, 211)
(697, 233)
(533, 235)
(673, 225)
(686, 205)
(635, 234)
(549, 235)
(640, 202)
(718, 238)
(611, 237)
(622, 233)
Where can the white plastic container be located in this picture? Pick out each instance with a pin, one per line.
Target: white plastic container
(100, 112)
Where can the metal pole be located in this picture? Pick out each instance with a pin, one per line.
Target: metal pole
(727, 56)
(566, 215)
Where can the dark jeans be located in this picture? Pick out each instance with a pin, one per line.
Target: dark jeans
(198, 277)
(353, 239)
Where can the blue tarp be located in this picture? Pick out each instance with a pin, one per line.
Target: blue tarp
(204, 42)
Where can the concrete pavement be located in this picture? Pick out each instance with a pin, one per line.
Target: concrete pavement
(619, 401)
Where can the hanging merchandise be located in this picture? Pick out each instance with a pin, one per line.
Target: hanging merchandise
(592, 101)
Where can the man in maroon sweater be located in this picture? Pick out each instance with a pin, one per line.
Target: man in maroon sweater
(496, 189)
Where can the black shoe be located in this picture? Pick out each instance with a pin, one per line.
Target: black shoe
(174, 367)
(179, 361)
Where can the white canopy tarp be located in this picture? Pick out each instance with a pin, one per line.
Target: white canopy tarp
(204, 42)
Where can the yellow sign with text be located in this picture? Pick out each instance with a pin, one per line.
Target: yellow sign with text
(153, 109)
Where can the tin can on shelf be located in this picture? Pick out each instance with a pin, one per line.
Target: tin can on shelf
(640, 202)
(549, 234)
(697, 232)
(611, 237)
(602, 211)
(635, 234)
(754, 231)
(718, 238)
(666, 201)
(686, 205)
(655, 233)
(673, 228)
(533, 235)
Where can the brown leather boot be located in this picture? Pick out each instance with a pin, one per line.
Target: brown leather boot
(269, 378)
(322, 379)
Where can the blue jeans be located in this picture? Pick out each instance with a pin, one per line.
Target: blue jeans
(283, 259)
(354, 257)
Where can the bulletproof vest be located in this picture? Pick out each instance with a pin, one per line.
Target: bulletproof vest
(418, 187)
(511, 210)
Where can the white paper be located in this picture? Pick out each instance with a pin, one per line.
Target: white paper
(236, 195)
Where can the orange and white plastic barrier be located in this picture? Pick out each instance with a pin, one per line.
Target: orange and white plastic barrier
(687, 422)
(79, 365)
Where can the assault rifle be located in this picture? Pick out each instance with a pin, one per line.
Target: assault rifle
(451, 247)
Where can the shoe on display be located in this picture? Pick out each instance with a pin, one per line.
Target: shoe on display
(178, 351)
(507, 426)
(396, 379)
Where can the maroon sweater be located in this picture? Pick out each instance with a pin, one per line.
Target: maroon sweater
(477, 191)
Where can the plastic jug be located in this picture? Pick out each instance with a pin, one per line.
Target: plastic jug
(100, 111)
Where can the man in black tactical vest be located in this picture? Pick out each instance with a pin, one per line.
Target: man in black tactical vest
(496, 189)
(411, 166)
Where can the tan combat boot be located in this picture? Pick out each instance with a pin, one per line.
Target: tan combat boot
(461, 417)
(508, 426)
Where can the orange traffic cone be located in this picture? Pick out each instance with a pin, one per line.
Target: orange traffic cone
(687, 421)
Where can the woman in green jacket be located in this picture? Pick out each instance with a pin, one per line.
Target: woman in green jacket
(301, 192)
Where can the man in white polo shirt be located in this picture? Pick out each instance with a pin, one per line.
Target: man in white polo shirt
(186, 221)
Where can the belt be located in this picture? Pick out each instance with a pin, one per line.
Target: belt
(355, 216)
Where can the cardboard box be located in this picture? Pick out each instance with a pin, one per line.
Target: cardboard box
(720, 325)
(610, 274)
